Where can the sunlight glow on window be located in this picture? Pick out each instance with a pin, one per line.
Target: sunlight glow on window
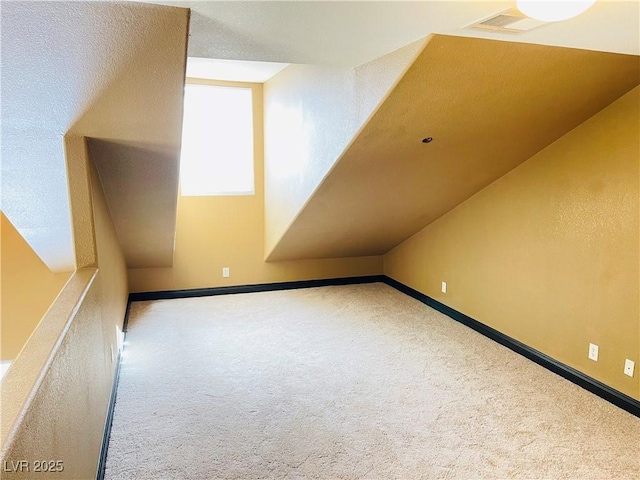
(217, 141)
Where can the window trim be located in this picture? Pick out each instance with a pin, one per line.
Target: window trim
(236, 85)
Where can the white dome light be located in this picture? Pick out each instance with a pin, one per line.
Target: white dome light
(553, 11)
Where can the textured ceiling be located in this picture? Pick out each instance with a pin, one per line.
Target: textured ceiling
(140, 183)
(488, 105)
(352, 33)
(232, 70)
(112, 70)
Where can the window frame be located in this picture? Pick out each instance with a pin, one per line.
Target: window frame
(232, 85)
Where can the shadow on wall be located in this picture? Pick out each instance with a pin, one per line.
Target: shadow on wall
(28, 290)
(56, 393)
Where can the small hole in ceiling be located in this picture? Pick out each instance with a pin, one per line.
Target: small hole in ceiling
(427, 140)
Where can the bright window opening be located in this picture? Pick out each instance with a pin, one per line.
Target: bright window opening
(217, 141)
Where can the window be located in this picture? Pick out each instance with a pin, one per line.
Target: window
(217, 141)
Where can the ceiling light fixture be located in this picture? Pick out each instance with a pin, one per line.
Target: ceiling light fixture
(553, 11)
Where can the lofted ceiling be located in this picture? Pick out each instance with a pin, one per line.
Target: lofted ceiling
(488, 107)
(355, 32)
(114, 72)
(140, 182)
(104, 69)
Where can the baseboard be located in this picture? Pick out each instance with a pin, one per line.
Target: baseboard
(612, 395)
(259, 287)
(206, 292)
(104, 449)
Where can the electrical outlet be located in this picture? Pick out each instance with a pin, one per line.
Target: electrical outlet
(593, 352)
(444, 287)
(629, 365)
(225, 272)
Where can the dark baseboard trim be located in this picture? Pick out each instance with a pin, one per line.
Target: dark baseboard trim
(104, 449)
(613, 396)
(205, 292)
(619, 399)
(260, 287)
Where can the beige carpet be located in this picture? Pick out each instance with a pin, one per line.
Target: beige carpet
(347, 382)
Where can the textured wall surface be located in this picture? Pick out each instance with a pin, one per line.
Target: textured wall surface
(71, 69)
(114, 291)
(487, 105)
(111, 70)
(55, 395)
(62, 416)
(78, 178)
(548, 254)
(228, 231)
(311, 115)
(347, 382)
(28, 289)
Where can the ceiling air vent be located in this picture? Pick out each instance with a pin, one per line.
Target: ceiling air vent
(509, 21)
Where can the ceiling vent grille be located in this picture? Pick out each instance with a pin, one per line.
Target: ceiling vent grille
(510, 21)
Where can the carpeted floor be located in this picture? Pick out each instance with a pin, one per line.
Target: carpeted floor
(342, 383)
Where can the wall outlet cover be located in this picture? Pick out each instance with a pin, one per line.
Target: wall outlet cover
(593, 352)
(225, 272)
(629, 366)
(444, 287)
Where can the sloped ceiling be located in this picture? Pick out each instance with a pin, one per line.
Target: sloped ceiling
(113, 72)
(488, 106)
(140, 182)
(106, 69)
(351, 33)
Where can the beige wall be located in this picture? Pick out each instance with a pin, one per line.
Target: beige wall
(388, 185)
(28, 289)
(112, 272)
(312, 113)
(549, 253)
(55, 396)
(228, 231)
